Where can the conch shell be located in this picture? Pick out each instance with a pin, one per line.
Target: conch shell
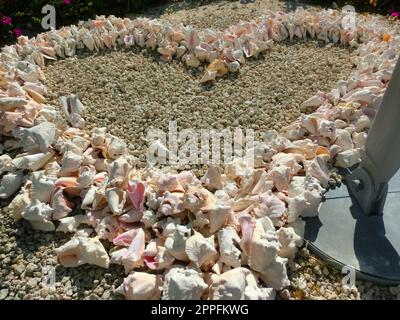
(201, 250)
(82, 250)
(183, 284)
(73, 110)
(141, 286)
(10, 183)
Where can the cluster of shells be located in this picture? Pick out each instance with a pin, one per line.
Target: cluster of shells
(228, 235)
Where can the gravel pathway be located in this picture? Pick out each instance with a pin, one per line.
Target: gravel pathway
(128, 92)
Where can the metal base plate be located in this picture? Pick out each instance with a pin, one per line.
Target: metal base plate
(343, 235)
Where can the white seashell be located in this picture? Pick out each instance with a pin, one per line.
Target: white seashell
(71, 163)
(318, 169)
(133, 257)
(32, 162)
(39, 215)
(19, 204)
(228, 240)
(218, 217)
(80, 250)
(281, 176)
(11, 103)
(359, 139)
(289, 242)
(38, 138)
(264, 248)
(106, 226)
(42, 186)
(149, 218)
(198, 198)
(10, 183)
(73, 110)
(86, 175)
(270, 206)
(183, 284)
(116, 199)
(70, 224)
(141, 286)
(238, 284)
(201, 250)
(116, 148)
(171, 203)
(348, 158)
(362, 123)
(314, 102)
(344, 140)
(156, 257)
(176, 241)
(275, 275)
(5, 163)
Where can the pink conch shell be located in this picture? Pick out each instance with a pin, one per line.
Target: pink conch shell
(61, 206)
(136, 191)
(32, 162)
(183, 284)
(116, 199)
(212, 179)
(141, 286)
(81, 250)
(156, 256)
(133, 257)
(171, 203)
(247, 225)
(318, 168)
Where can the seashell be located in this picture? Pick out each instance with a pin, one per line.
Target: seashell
(73, 110)
(61, 206)
(81, 250)
(141, 286)
(359, 139)
(117, 148)
(198, 198)
(238, 284)
(247, 225)
(180, 51)
(32, 162)
(86, 176)
(317, 168)
(191, 61)
(289, 242)
(218, 217)
(264, 248)
(149, 218)
(255, 182)
(314, 102)
(171, 203)
(116, 199)
(156, 257)
(176, 240)
(71, 162)
(70, 224)
(118, 172)
(126, 238)
(10, 183)
(11, 103)
(42, 186)
(281, 176)
(39, 215)
(106, 226)
(38, 138)
(5, 163)
(270, 206)
(275, 275)
(233, 66)
(135, 192)
(344, 140)
(19, 204)
(133, 256)
(228, 240)
(183, 284)
(217, 68)
(201, 250)
(362, 123)
(348, 158)
(212, 179)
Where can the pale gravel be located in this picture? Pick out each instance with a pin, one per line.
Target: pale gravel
(129, 91)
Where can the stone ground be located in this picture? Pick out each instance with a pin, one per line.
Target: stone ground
(128, 92)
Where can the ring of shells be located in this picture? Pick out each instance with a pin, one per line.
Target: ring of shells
(227, 235)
